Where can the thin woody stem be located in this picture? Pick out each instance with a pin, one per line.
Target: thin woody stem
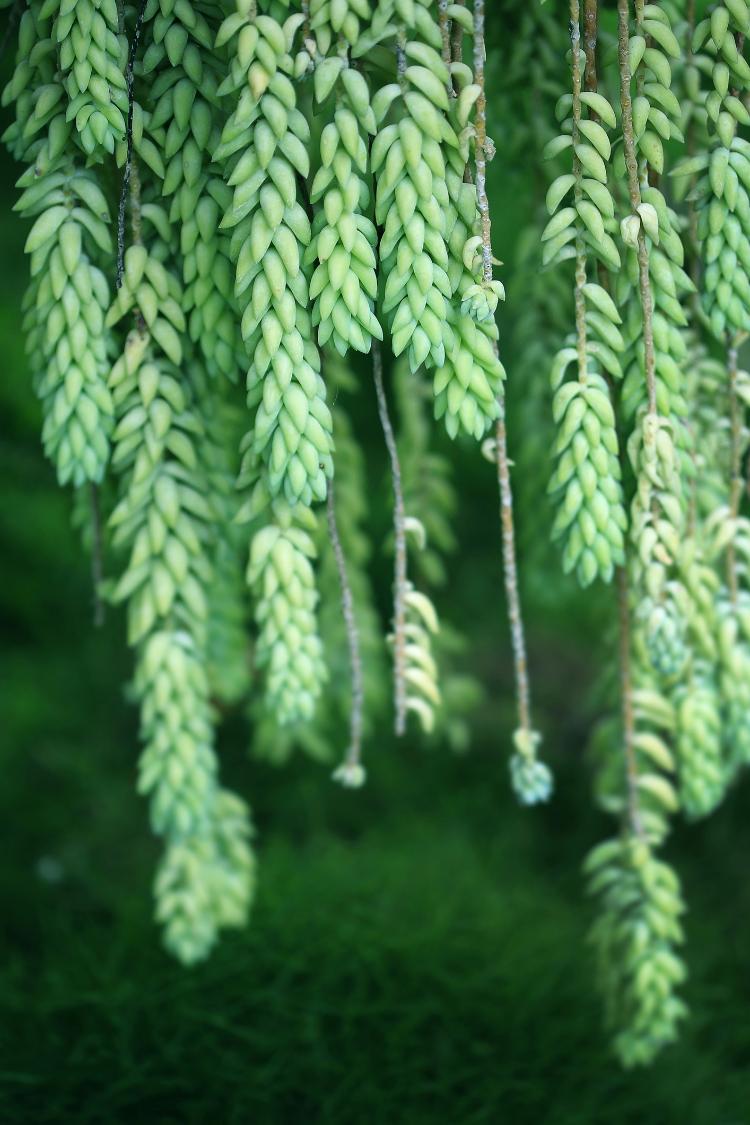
(354, 751)
(634, 819)
(480, 125)
(126, 191)
(580, 275)
(518, 638)
(626, 692)
(445, 34)
(401, 55)
(634, 191)
(457, 39)
(399, 528)
(693, 240)
(510, 570)
(130, 191)
(590, 36)
(735, 469)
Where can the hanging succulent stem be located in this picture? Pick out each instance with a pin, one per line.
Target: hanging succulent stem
(591, 22)
(518, 639)
(690, 141)
(445, 32)
(401, 54)
(399, 530)
(480, 125)
(634, 192)
(590, 36)
(125, 191)
(580, 276)
(351, 767)
(96, 554)
(457, 37)
(735, 468)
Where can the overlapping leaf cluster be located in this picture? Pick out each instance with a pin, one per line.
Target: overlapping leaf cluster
(227, 206)
(658, 274)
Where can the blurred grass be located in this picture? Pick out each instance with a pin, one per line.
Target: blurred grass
(415, 956)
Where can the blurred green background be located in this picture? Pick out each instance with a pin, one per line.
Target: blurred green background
(417, 949)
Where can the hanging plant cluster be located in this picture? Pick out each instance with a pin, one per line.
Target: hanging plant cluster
(231, 203)
(647, 207)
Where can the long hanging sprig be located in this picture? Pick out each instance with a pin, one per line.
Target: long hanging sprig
(653, 387)
(165, 518)
(639, 896)
(532, 780)
(162, 519)
(415, 686)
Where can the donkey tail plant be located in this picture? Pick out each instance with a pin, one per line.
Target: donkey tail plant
(240, 216)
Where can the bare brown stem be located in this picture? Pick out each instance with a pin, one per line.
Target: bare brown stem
(457, 39)
(480, 125)
(510, 569)
(126, 191)
(580, 275)
(735, 470)
(445, 32)
(590, 36)
(634, 191)
(354, 752)
(399, 529)
(694, 265)
(401, 55)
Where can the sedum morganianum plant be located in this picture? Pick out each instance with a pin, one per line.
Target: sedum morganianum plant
(243, 215)
(648, 479)
(228, 204)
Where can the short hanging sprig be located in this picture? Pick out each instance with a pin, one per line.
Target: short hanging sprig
(415, 686)
(532, 780)
(637, 929)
